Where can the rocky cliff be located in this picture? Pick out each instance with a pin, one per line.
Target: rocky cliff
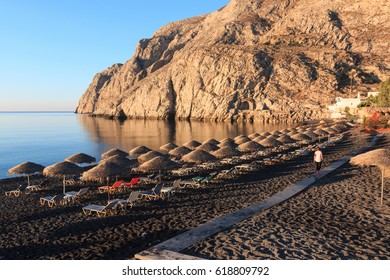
(270, 60)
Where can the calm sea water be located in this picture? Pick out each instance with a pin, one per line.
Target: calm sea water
(47, 138)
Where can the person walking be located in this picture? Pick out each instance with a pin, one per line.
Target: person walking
(318, 158)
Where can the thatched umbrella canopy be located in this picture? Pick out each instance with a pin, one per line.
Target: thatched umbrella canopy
(148, 156)
(242, 140)
(301, 137)
(226, 140)
(226, 152)
(159, 163)
(122, 161)
(276, 132)
(192, 144)
(62, 169)
(238, 137)
(259, 138)
(330, 130)
(26, 168)
(139, 150)
(254, 135)
(266, 133)
(311, 134)
(105, 169)
(285, 139)
(250, 146)
(199, 156)
(168, 147)
(114, 152)
(228, 144)
(285, 131)
(320, 131)
(211, 141)
(81, 158)
(291, 133)
(270, 142)
(338, 128)
(208, 147)
(379, 158)
(180, 151)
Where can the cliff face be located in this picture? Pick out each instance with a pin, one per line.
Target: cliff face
(259, 60)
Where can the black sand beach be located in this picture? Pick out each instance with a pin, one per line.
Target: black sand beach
(338, 218)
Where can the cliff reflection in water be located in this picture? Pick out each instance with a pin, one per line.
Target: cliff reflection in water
(128, 134)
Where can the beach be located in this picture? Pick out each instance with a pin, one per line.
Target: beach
(337, 218)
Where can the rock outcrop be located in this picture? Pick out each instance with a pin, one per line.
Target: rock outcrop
(250, 60)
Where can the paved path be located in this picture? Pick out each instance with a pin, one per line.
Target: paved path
(170, 248)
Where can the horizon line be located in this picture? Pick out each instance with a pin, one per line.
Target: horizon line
(39, 111)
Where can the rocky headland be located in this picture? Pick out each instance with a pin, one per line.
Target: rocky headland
(262, 61)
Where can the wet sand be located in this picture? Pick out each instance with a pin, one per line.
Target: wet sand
(31, 231)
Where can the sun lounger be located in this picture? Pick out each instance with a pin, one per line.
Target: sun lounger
(73, 180)
(72, 196)
(53, 200)
(132, 183)
(18, 191)
(115, 187)
(130, 201)
(101, 210)
(36, 187)
(154, 194)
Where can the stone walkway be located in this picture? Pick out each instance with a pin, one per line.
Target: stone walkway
(169, 249)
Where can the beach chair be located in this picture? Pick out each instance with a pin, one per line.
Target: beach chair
(116, 186)
(101, 210)
(53, 200)
(72, 196)
(154, 194)
(130, 201)
(132, 183)
(18, 191)
(73, 180)
(37, 187)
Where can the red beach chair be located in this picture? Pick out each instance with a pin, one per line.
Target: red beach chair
(116, 186)
(132, 183)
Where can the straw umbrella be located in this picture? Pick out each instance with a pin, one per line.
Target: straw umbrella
(159, 163)
(254, 135)
(211, 141)
(114, 152)
(226, 152)
(208, 147)
(270, 142)
(259, 138)
(228, 144)
(266, 133)
(320, 132)
(192, 144)
(285, 139)
(122, 161)
(242, 140)
(148, 156)
(238, 137)
(60, 169)
(139, 151)
(250, 146)
(199, 156)
(105, 169)
(81, 158)
(379, 158)
(312, 134)
(180, 151)
(26, 168)
(168, 147)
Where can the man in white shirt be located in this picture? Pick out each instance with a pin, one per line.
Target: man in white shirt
(318, 158)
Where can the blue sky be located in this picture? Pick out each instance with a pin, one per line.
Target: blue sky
(50, 50)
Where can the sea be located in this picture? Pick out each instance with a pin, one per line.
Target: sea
(50, 137)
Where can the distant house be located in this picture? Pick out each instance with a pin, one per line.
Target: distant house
(338, 109)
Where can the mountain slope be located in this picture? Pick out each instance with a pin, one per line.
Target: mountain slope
(255, 60)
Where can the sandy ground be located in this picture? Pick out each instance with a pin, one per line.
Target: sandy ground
(337, 218)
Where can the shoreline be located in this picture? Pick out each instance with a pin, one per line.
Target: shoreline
(31, 231)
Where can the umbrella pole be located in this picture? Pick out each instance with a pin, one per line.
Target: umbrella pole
(28, 180)
(64, 185)
(383, 183)
(108, 189)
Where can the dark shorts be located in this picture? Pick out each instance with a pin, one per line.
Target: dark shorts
(318, 165)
